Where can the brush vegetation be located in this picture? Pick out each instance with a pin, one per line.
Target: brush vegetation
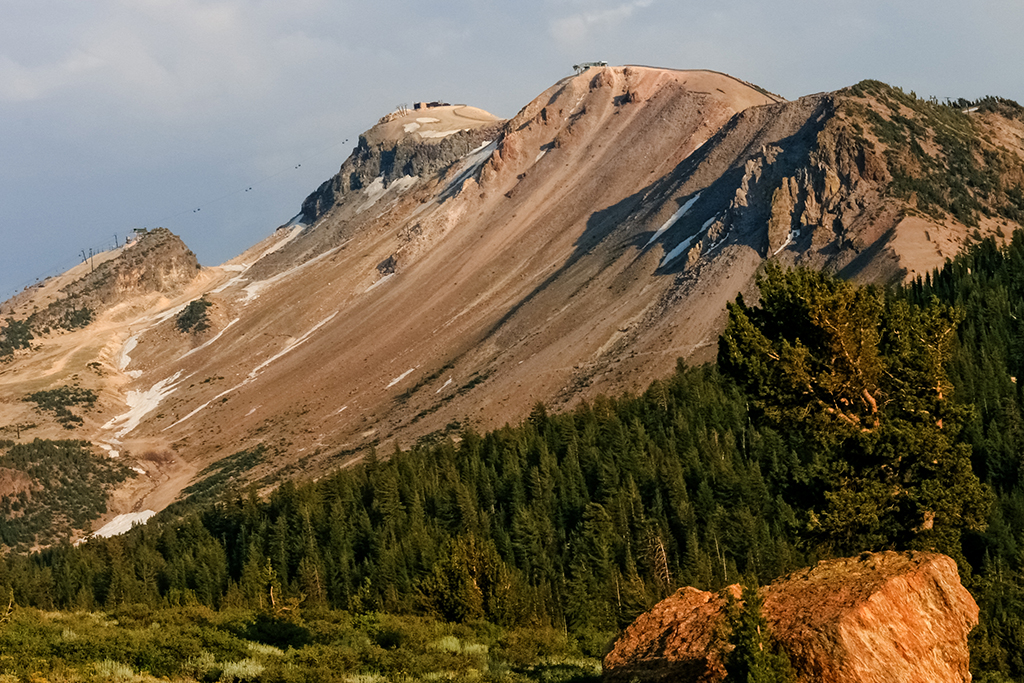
(67, 490)
(940, 156)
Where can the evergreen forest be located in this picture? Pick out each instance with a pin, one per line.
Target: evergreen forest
(838, 419)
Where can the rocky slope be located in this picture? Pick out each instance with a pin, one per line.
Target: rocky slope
(459, 268)
(882, 617)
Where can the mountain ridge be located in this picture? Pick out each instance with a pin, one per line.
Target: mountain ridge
(456, 279)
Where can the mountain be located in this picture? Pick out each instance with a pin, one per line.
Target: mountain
(460, 268)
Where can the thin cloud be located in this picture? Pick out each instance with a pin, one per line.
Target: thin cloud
(575, 29)
(24, 83)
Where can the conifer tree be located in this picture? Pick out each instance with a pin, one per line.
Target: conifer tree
(755, 657)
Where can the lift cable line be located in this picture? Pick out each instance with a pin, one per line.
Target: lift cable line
(247, 188)
(71, 261)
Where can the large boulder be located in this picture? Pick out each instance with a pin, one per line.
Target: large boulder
(881, 617)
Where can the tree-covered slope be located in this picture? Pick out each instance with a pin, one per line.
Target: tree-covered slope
(842, 420)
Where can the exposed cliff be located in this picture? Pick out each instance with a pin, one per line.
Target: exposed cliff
(878, 618)
(410, 144)
(156, 262)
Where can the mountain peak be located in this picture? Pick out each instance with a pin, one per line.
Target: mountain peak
(460, 268)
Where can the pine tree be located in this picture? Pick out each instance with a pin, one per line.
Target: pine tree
(755, 657)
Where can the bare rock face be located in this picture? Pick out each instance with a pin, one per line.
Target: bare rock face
(157, 262)
(881, 617)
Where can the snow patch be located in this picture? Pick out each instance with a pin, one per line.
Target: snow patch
(427, 119)
(402, 184)
(789, 240)
(124, 360)
(685, 244)
(379, 282)
(477, 149)
(375, 190)
(471, 163)
(400, 378)
(290, 346)
(297, 228)
(139, 470)
(444, 386)
(123, 523)
(253, 289)
(210, 341)
(673, 219)
(141, 403)
(411, 127)
(109, 448)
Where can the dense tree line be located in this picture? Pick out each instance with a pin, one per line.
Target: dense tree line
(842, 419)
(582, 520)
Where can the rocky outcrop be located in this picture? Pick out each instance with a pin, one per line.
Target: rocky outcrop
(390, 160)
(881, 617)
(158, 261)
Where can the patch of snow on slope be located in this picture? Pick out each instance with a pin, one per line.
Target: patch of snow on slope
(480, 148)
(124, 359)
(109, 448)
(297, 227)
(400, 378)
(122, 524)
(379, 282)
(673, 219)
(372, 192)
(411, 127)
(233, 281)
(685, 244)
(253, 289)
(402, 184)
(210, 341)
(471, 163)
(444, 386)
(292, 345)
(255, 372)
(375, 190)
(141, 403)
(789, 240)
(427, 119)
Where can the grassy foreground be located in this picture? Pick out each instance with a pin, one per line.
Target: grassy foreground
(136, 643)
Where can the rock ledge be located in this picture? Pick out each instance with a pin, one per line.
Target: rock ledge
(880, 617)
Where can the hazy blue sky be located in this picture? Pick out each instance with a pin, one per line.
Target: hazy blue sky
(117, 114)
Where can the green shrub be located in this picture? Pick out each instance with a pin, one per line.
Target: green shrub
(193, 318)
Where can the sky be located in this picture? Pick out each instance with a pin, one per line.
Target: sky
(118, 114)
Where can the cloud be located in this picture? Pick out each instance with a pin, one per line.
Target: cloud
(574, 30)
(21, 82)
